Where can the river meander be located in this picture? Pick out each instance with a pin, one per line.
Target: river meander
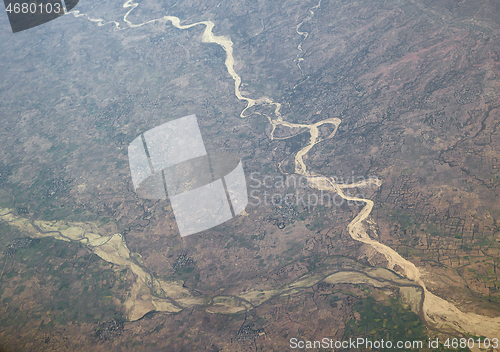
(172, 297)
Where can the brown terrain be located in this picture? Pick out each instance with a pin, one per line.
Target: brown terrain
(416, 85)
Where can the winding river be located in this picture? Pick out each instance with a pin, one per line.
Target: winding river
(437, 312)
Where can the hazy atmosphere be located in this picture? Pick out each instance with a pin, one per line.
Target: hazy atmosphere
(250, 175)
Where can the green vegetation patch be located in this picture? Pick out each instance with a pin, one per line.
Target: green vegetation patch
(63, 282)
(390, 321)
